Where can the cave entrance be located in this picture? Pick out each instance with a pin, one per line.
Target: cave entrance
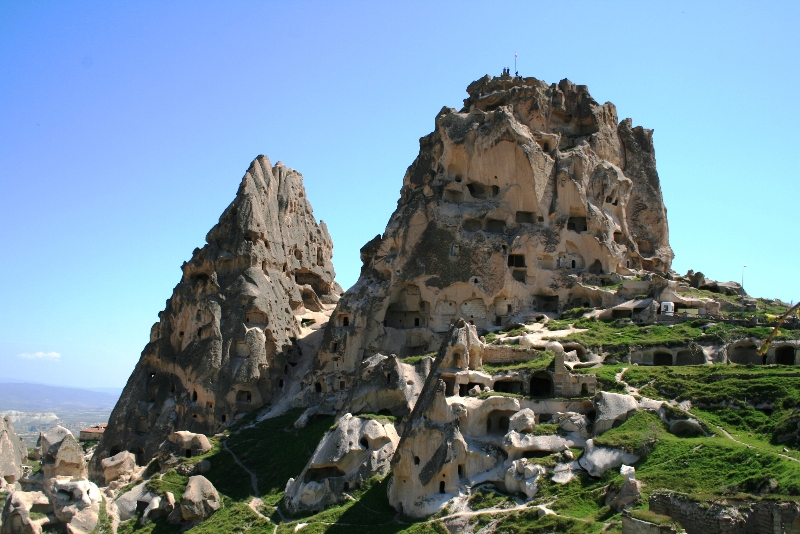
(449, 385)
(576, 224)
(516, 260)
(525, 217)
(463, 389)
(508, 386)
(546, 303)
(662, 358)
(318, 474)
(744, 354)
(784, 355)
(495, 226)
(541, 385)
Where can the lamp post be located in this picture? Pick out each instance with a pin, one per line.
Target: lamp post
(743, 267)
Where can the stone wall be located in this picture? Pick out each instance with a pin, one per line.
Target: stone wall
(507, 354)
(728, 516)
(631, 525)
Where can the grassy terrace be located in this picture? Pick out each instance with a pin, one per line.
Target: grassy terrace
(752, 402)
(619, 337)
(701, 466)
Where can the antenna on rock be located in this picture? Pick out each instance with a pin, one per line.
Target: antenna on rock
(516, 72)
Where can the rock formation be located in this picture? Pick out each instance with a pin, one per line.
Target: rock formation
(450, 442)
(529, 200)
(12, 454)
(61, 497)
(227, 341)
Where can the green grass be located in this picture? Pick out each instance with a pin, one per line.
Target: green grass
(542, 361)
(487, 394)
(575, 313)
(700, 466)
(486, 498)
(636, 435)
(232, 517)
(170, 481)
(481, 521)
(652, 517)
(103, 520)
(730, 393)
(273, 449)
(545, 429)
(529, 522)
(382, 419)
(609, 336)
(606, 376)
(414, 360)
(370, 513)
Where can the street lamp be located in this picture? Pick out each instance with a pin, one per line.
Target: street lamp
(743, 267)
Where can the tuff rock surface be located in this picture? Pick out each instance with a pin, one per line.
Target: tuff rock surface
(12, 453)
(226, 343)
(525, 201)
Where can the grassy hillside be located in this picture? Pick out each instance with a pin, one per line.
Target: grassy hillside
(752, 413)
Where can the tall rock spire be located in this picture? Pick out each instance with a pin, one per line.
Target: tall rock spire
(226, 342)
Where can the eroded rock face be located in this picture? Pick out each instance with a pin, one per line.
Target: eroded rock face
(62, 455)
(12, 453)
(76, 502)
(612, 410)
(597, 460)
(528, 200)
(16, 514)
(224, 345)
(199, 500)
(118, 465)
(354, 451)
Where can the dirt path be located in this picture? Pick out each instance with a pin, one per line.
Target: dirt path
(253, 477)
(256, 501)
(727, 435)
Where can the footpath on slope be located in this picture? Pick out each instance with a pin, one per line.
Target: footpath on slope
(635, 391)
(256, 501)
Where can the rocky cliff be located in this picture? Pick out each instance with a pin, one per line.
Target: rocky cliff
(12, 454)
(227, 341)
(528, 200)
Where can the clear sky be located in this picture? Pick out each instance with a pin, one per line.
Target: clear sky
(125, 128)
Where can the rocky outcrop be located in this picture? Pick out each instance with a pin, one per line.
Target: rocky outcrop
(628, 493)
(16, 514)
(62, 456)
(181, 444)
(76, 503)
(526, 201)
(597, 460)
(354, 451)
(226, 343)
(119, 465)
(612, 410)
(199, 500)
(12, 454)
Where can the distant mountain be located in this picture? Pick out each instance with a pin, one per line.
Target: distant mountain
(28, 397)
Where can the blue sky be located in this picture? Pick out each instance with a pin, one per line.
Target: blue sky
(125, 128)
